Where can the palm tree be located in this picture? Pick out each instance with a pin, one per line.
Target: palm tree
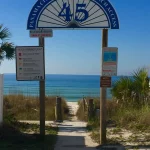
(7, 49)
(141, 85)
(122, 90)
(132, 90)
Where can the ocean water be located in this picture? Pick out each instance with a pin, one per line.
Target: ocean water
(71, 87)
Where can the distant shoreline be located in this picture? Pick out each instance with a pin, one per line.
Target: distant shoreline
(61, 74)
(73, 75)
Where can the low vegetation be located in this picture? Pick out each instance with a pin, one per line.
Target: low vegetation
(120, 120)
(127, 112)
(28, 107)
(24, 136)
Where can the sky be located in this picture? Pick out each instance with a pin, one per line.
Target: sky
(79, 51)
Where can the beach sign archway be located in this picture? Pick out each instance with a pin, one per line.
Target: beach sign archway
(73, 14)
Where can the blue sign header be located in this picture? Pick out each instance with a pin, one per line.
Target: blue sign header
(110, 57)
(57, 14)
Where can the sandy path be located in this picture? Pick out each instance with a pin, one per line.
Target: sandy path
(72, 134)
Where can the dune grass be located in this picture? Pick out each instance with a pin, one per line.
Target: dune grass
(28, 107)
(134, 119)
(127, 117)
(24, 136)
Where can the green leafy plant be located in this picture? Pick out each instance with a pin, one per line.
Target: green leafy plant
(7, 49)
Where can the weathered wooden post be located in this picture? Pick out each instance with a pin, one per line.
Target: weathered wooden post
(103, 95)
(42, 97)
(90, 109)
(58, 109)
(83, 104)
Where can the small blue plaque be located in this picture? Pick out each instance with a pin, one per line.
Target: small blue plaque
(110, 57)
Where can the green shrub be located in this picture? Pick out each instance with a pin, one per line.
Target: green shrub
(133, 90)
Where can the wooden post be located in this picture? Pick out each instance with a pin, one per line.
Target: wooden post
(103, 95)
(42, 99)
(83, 105)
(58, 109)
(90, 109)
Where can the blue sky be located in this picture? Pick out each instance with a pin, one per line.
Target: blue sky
(78, 51)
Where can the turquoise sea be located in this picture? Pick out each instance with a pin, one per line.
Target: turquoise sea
(71, 87)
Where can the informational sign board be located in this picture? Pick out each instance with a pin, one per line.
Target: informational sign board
(105, 82)
(41, 33)
(60, 14)
(30, 64)
(1, 99)
(110, 61)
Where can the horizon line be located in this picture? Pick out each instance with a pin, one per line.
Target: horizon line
(73, 74)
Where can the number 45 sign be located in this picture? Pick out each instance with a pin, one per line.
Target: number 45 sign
(72, 14)
(80, 9)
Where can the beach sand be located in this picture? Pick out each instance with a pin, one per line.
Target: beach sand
(72, 133)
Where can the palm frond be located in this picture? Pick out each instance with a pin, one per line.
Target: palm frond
(122, 87)
(132, 90)
(4, 33)
(8, 49)
(1, 57)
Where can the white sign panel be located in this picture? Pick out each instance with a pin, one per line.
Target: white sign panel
(110, 61)
(1, 99)
(41, 33)
(30, 63)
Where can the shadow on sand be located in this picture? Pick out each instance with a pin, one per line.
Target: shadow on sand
(71, 141)
(144, 147)
(12, 139)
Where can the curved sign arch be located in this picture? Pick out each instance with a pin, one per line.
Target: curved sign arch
(74, 14)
